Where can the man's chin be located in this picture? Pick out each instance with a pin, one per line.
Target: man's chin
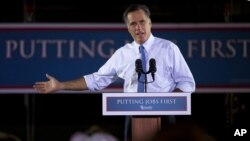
(140, 38)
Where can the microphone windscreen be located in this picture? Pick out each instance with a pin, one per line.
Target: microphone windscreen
(152, 65)
(138, 65)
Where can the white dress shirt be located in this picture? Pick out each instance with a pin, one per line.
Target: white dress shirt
(172, 70)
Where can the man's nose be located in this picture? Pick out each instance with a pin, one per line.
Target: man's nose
(138, 26)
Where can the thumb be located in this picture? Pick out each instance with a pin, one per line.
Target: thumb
(48, 76)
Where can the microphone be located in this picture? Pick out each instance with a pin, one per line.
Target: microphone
(138, 67)
(152, 67)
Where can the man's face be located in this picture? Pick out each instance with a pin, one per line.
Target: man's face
(139, 26)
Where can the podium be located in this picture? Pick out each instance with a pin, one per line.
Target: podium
(146, 109)
(145, 127)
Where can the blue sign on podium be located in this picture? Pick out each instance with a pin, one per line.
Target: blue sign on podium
(146, 103)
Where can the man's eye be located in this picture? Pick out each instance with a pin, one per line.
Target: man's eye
(142, 22)
(133, 24)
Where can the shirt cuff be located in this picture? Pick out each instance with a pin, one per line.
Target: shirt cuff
(89, 79)
(186, 86)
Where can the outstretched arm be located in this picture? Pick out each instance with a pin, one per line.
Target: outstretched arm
(53, 85)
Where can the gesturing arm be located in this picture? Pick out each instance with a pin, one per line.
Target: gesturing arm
(53, 85)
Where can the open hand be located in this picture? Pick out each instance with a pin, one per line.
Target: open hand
(50, 86)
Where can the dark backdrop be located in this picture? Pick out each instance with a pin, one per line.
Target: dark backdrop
(167, 11)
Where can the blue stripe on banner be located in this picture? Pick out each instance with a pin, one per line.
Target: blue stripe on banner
(216, 55)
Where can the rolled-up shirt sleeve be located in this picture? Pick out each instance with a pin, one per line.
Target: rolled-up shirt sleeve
(96, 81)
(103, 77)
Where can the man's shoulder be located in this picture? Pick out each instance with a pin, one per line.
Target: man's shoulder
(164, 42)
(126, 46)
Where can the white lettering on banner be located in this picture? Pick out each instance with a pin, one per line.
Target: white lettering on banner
(168, 101)
(151, 101)
(218, 49)
(100, 48)
(63, 48)
(27, 49)
(89, 50)
(130, 101)
(147, 101)
(244, 45)
(11, 46)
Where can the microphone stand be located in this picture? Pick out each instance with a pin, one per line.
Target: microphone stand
(145, 83)
(140, 71)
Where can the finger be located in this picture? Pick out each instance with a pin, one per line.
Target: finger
(40, 83)
(45, 91)
(38, 86)
(41, 89)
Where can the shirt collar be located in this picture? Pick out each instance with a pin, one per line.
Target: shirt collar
(147, 45)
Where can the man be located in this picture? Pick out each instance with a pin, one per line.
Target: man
(172, 75)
